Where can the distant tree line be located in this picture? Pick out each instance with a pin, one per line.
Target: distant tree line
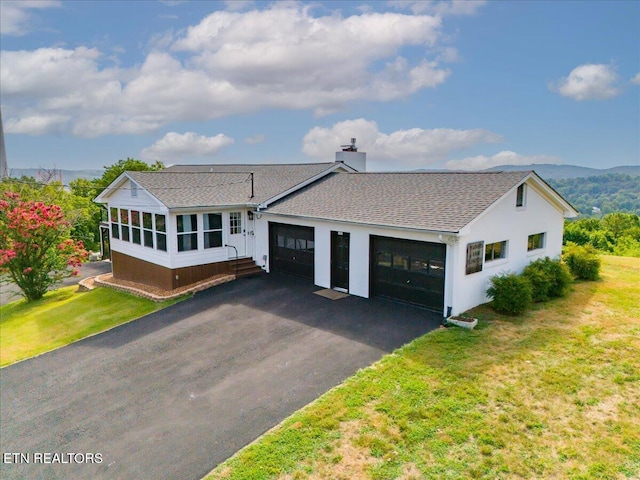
(600, 195)
(615, 233)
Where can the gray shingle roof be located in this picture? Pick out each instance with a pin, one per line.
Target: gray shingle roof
(182, 186)
(441, 202)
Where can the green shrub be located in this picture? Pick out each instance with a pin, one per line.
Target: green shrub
(549, 278)
(511, 294)
(583, 261)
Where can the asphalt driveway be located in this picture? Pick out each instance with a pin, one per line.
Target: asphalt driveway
(175, 393)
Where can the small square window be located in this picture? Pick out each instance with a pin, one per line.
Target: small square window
(384, 259)
(147, 221)
(135, 218)
(495, 251)
(161, 223)
(536, 241)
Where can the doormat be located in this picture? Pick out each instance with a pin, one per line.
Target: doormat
(331, 294)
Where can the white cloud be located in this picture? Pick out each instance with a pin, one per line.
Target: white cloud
(399, 150)
(589, 82)
(231, 63)
(636, 80)
(505, 157)
(54, 74)
(174, 146)
(15, 16)
(255, 139)
(37, 124)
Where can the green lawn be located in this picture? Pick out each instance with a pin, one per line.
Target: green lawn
(553, 394)
(63, 316)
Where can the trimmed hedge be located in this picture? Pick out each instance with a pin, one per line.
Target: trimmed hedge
(549, 278)
(583, 261)
(511, 294)
(541, 280)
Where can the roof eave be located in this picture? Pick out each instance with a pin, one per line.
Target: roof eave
(104, 195)
(366, 224)
(184, 208)
(569, 210)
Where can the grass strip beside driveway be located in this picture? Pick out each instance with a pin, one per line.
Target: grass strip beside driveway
(64, 316)
(551, 394)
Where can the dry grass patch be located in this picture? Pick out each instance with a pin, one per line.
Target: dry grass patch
(553, 394)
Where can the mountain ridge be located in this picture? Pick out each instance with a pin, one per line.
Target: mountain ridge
(559, 172)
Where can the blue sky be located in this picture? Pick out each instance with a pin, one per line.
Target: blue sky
(436, 84)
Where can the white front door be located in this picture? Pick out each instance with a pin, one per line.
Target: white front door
(237, 233)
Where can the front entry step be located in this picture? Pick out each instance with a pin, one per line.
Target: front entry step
(245, 267)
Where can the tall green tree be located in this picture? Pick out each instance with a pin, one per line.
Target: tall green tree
(88, 190)
(616, 233)
(112, 172)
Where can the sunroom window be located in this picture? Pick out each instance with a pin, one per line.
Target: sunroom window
(187, 232)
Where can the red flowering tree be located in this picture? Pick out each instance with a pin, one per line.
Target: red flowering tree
(36, 250)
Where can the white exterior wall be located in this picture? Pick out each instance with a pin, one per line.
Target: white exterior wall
(501, 222)
(144, 202)
(505, 222)
(172, 258)
(359, 245)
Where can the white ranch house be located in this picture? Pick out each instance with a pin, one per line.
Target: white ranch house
(429, 239)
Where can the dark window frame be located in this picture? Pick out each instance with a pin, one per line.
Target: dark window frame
(495, 251)
(521, 196)
(536, 241)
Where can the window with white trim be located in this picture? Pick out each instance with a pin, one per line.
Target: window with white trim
(124, 224)
(139, 227)
(187, 232)
(536, 241)
(136, 236)
(212, 230)
(521, 196)
(495, 251)
(115, 226)
(147, 229)
(235, 223)
(161, 232)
